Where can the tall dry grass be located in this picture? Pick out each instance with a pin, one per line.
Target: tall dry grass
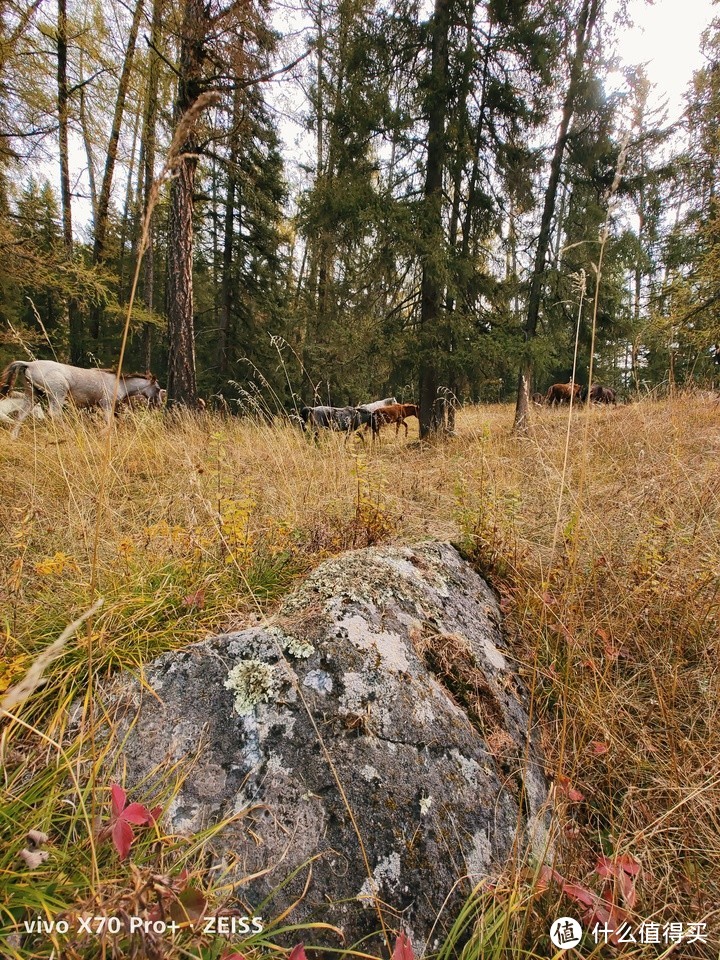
(205, 522)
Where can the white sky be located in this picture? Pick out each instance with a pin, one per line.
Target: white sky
(667, 36)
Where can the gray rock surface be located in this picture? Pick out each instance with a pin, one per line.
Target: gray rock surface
(395, 658)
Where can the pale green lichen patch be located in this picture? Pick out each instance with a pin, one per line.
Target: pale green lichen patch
(289, 643)
(296, 647)
(253, 682)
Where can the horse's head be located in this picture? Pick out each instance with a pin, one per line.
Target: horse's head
(149, 388)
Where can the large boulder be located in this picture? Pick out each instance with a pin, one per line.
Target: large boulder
(380, 702)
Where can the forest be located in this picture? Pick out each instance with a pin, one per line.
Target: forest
(465, 195)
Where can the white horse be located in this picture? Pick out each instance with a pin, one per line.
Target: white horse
(376, 404)
(17, 402)
(85, 388)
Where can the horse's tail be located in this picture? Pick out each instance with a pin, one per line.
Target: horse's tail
(7, 377)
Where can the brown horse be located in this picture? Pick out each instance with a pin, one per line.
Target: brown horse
(394, 413)
(600, 394)
(562, 393)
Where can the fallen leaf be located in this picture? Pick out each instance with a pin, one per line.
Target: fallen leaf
(623, 869)
(190, 905)
(564, 787)
(195, 601)
(629, 864)
(580, 894)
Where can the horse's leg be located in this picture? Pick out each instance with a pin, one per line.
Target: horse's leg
(109, 409)
(55, 406)
(404, 423)
(25, 411)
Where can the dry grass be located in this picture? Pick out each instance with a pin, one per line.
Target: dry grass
(203, 523)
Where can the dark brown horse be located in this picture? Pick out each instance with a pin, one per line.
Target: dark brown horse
(600, 394)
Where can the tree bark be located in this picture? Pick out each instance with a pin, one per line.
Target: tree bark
(147, 167)
(182, 382)
(103, 204)
(74, 320)
(87, 140)
(432, 287)
(228, 274)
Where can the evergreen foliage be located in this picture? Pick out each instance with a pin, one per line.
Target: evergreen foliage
(395, 247)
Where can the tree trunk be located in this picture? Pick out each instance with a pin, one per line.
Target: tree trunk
(147, 167)
(431, 290)
(228, 274)
(182, 383)
(129, 221)
(583, 33)
(103, 205)
(87, 140)
(74, 320)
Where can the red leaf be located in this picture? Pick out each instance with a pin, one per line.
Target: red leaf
(195, 601)
(624, 869)
(136, 813)
(564, 787)
(121, 818)
(232, 956)
(191, 904)
(580, 894)
(608, 915)
(122, 837)
(628, 864)
(598, 748)
(119, 799)
(627, 889)
(298, 952)
(546, 875)
(403, 948)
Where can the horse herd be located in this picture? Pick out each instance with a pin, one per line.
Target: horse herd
(560, 393)
(371, 416)
(96, 388)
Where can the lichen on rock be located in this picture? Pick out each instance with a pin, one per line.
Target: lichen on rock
(252, 682)
(394, 656)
